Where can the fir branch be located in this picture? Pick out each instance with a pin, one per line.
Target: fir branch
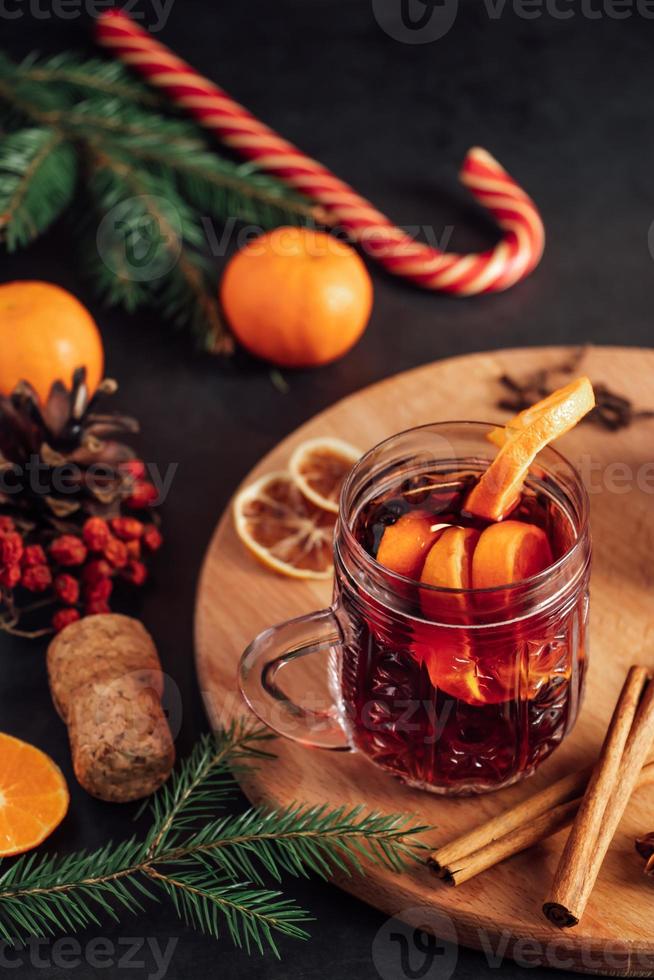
(298, 840)
(41, 896)
(213, 184)
(216, 185)
(86, 77)
(170, 272)
(103, 118)
(200, 862)
(37, 181)
(206, 779)
(252, 915)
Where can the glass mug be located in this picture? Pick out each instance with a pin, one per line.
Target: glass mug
(452, 691)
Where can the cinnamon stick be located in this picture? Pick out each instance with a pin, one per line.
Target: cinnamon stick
(625, 749)
(517, 818)
(456, 863)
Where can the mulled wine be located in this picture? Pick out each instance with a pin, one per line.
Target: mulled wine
(454, 695)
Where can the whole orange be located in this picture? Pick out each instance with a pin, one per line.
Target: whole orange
(297, 297)
(45, 333)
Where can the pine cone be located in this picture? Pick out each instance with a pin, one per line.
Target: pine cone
(60, 462)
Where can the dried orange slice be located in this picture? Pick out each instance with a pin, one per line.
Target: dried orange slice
(33, 796)
(283, 529)
(499, 487)
(319, 467)
(509, 552)
(404, 545)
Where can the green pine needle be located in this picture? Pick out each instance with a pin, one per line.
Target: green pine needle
(148, 245)
(84, 78)
(37, 181)
(211, 869)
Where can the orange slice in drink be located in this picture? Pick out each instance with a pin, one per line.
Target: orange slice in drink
(283, 529)
(448, 564)
(319, 468)
(499, 487)
(509, 552)
(33, 796)
(404, 545)
(449, 657)
(459, 663)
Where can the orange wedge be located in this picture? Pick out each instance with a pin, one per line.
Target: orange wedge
(283, 529)
(449, 661)
(499, 487)
(462, 558)
(449, 562)
(509, 552)
(319, 468)
(404, 545)
(33, 796)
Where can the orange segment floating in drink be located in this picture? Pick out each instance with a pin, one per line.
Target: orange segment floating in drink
(449, 662)
(449, 562)
(463, 558)
(499, 487)
(404, 545)
(509, 552)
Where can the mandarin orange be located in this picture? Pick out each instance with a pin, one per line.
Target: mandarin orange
(45, 334)
(297, 297)
(33, 796)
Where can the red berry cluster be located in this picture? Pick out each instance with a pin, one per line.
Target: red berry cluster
(80, 569)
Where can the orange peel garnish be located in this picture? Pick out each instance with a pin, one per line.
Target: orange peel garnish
(498, 490)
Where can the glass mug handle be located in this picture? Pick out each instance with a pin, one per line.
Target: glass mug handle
(263, 662)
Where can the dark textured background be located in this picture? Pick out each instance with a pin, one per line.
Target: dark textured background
(565, 105)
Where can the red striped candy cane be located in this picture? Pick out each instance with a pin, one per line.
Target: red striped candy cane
(514, 257)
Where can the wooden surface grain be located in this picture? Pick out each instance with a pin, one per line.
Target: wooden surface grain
(501, 910)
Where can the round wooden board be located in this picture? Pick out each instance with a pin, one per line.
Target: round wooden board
(500, 912)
